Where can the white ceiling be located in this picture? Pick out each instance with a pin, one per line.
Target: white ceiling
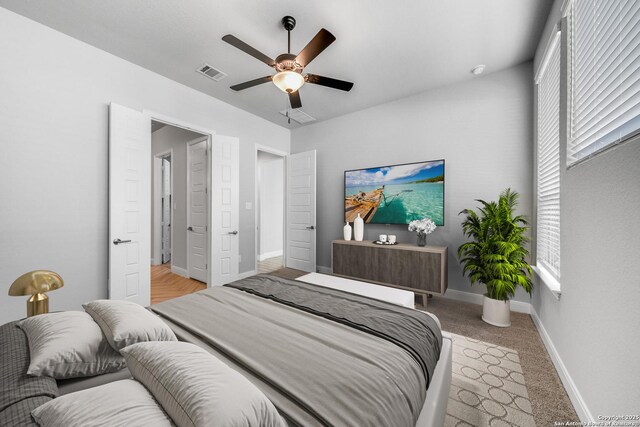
(389, 49)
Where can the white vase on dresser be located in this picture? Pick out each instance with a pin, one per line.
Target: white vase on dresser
(358, 229)
(347, 231)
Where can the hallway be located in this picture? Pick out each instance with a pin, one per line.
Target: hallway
(166, 285)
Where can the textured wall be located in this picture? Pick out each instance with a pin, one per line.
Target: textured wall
(53, 168)
(482, 128)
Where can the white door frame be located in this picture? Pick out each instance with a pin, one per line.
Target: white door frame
(157, 208)
(209, 133)
(283, 154)
(208, 202)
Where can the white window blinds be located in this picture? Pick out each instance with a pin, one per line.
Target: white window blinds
(604, 80)
(548, 163)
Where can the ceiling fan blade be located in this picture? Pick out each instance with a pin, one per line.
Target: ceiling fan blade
(294, 99)
(236, 42)
(251, 83)
(320, 42)
(329, 82)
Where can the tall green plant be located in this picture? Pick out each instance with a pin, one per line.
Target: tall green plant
(496, 254)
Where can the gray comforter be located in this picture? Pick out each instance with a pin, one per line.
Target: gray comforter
(316, 369)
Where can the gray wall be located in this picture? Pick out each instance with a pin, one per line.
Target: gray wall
(482, 128)
(55, 92)
(594, 324)
(162, 140)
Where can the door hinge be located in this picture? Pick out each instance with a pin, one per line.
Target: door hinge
(206, 266)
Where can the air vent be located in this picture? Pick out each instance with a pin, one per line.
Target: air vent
(298, 115)
(208, 71)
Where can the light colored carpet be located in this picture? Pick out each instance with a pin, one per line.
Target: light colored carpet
(488, 387)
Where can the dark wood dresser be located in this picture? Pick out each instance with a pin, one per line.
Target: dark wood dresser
(422, 270)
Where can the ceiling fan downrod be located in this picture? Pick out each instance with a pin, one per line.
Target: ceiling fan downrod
(289, 23)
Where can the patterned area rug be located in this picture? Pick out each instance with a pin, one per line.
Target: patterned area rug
(487, 388)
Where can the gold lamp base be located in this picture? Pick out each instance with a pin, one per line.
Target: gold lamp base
(37, 304)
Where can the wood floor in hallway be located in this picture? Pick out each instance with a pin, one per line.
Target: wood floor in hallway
(166, 285)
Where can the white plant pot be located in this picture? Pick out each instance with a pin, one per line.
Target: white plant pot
(496, 312)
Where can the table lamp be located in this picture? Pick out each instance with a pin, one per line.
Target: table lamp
(36, 283)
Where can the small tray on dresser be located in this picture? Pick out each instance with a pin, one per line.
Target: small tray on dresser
(378, 242)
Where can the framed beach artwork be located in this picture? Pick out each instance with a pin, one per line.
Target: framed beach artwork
(396, 194)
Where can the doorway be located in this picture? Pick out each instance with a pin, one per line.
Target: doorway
(179, 200)
(270, 209)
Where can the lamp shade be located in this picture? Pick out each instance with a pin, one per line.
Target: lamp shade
(288, 81)
(36, 282)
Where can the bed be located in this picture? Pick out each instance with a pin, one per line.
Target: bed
(311, 346)
(322, 355)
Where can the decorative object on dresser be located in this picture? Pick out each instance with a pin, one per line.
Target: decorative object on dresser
(422, 227)
(422, 270)
(347, 231)
(358, 229)
(496, 254)
(36, 283)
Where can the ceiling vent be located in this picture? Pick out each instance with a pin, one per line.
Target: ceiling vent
(298, 116)
(210, 72)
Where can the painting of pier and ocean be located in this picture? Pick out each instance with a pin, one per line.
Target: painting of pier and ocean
(395, 194)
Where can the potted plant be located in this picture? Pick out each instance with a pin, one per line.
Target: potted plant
(496, 254)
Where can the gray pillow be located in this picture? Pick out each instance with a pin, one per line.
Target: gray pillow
(120, 403)
(68, 344)
(196, 388)
(125, 323)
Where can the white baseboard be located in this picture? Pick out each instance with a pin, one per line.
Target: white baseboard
(324, 270)
(267, 255)
(179, 271)
(517, 306)
(572, 390)
(246, 274)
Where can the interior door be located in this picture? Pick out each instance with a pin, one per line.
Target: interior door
(225, 210)
(166, 211)
(301, 211)
(198, 217)
(129, 205)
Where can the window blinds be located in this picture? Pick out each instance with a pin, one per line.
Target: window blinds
(548, 163)
(604, 80)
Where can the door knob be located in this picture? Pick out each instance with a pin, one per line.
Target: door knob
(233, 232)
(311, 227)
(118, 241)
(189, 228)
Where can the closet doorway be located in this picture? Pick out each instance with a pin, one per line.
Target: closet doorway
(270, 209)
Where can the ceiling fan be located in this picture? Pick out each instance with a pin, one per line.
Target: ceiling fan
(289, 68)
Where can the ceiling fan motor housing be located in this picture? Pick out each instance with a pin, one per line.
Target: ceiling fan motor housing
(287, 62)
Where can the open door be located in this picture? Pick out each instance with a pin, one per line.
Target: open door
(198, 213)
(300, 248)
(129, 205)
(166, 210)
(225, 209)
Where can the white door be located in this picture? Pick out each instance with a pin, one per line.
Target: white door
(197, 212)
(301, 211)
(129, 205)
(166, 210)
(225, 199)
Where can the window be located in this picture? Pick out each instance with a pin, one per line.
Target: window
(604, 75)
(548, 163)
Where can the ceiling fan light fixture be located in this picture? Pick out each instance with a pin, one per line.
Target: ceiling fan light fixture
(288, 81)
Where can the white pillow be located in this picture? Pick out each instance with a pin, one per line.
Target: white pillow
(125, 323)
(197, 389)
(68, 344)
(120, 403)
